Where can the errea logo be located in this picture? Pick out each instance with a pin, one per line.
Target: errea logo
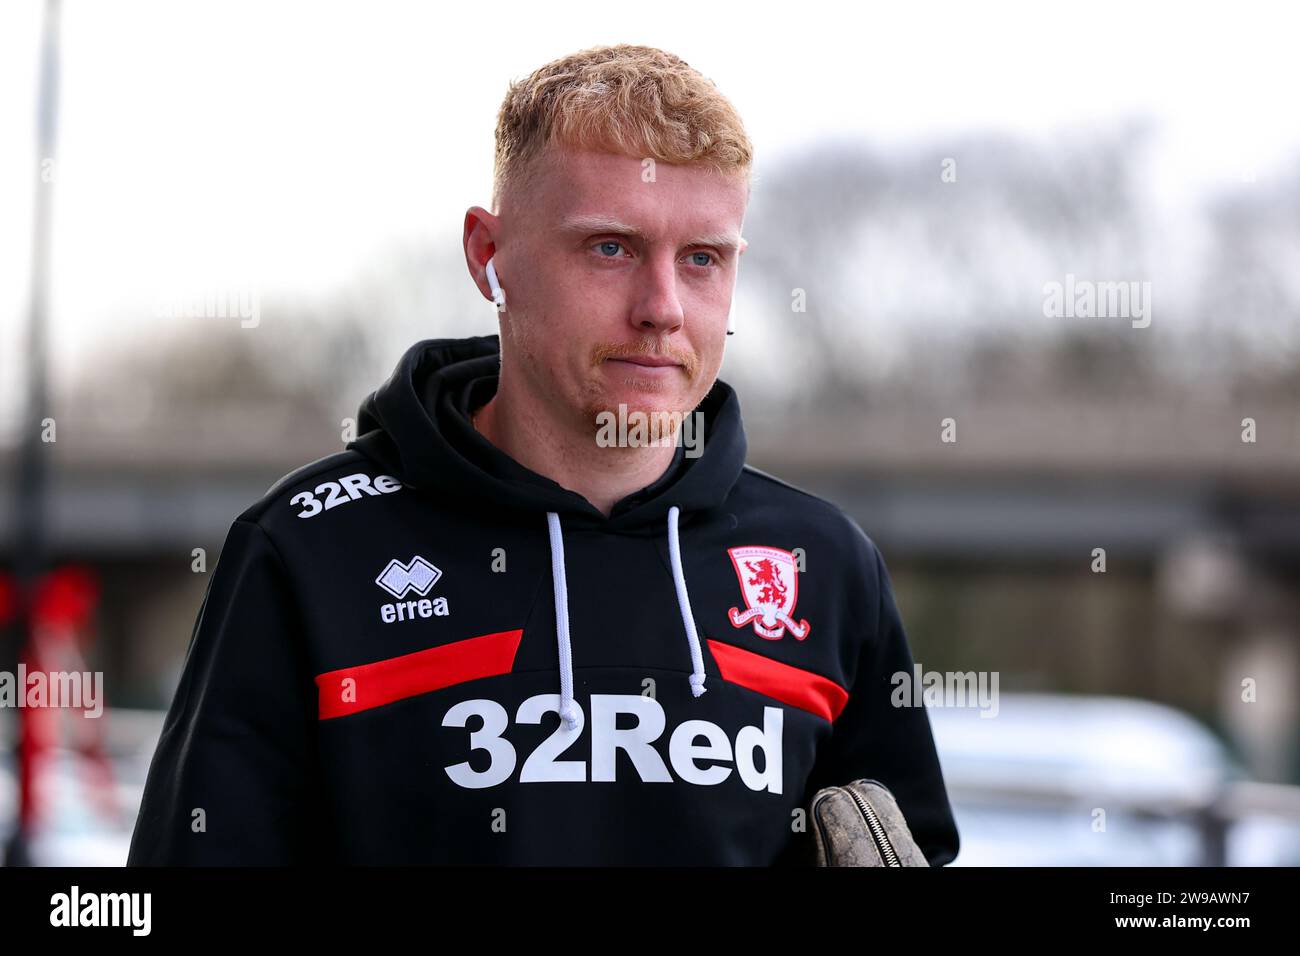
(400, 579)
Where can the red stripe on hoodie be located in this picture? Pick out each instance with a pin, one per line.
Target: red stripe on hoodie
(409, 675)
(784, 682)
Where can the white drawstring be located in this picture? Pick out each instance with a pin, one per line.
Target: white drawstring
(568, 711)
(684, 602)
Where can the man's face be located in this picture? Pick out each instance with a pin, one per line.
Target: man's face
(618, 288)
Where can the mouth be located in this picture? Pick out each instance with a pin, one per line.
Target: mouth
(646, 368)
(648, 361)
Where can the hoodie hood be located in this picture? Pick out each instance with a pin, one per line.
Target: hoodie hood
(417, 426)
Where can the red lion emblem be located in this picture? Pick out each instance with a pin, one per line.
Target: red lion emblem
(770, 583)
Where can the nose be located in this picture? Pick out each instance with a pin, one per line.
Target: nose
(658, 308)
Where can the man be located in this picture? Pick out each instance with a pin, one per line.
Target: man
(496, 629)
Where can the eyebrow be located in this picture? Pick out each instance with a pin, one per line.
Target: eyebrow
(593, 224)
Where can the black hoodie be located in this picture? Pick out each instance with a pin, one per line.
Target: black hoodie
(419, 651)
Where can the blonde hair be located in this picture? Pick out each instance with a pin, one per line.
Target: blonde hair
(633, 100)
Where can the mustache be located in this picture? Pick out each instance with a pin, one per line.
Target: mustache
(686, 360)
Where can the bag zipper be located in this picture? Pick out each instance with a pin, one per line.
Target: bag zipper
(875, 828)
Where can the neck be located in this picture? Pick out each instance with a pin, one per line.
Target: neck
(568, 456)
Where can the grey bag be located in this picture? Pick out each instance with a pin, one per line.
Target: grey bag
(860, 824)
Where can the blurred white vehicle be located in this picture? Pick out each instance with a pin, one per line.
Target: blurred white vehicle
(1069, 780)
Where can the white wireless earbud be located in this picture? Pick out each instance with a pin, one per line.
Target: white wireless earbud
(498, 293)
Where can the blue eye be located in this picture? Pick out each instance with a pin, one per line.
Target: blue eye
(609, 248)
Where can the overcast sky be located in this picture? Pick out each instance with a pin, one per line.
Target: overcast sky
(289, 144)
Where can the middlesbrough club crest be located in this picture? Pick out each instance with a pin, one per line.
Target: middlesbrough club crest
(770, 583)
